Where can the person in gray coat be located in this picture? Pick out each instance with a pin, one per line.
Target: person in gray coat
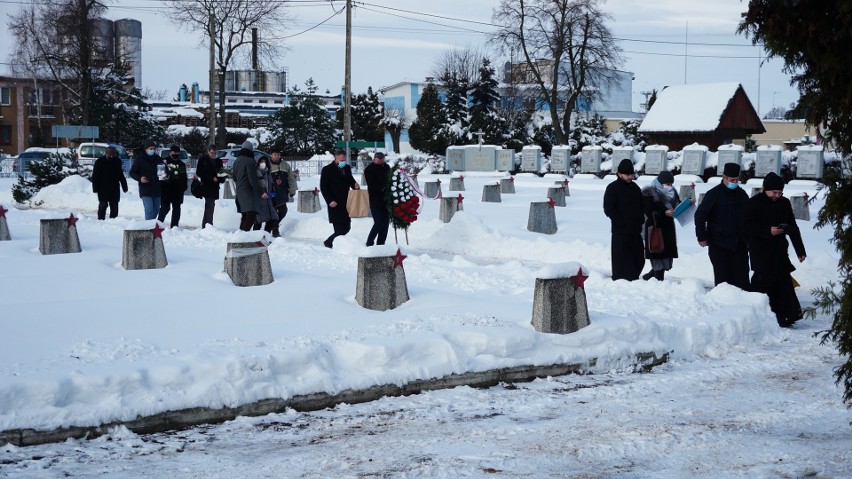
(248, 194)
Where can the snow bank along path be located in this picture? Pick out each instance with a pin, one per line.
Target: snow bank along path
(87, 343)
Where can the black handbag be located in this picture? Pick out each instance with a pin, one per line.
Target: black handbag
(195, 188)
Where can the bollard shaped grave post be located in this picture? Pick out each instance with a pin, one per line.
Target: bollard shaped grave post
(559, 301)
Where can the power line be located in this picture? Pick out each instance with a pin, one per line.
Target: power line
(336, 13)
(420, 20)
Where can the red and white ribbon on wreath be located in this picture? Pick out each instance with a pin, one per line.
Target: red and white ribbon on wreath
(417, 189)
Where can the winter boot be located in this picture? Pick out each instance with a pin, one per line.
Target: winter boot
(647, 276)
(659, 274)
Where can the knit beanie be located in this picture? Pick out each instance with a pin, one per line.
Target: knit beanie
(773, 182)
(626, 167)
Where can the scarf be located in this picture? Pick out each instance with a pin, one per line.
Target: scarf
(667, 196)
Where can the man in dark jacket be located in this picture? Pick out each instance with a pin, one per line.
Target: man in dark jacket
(107, 177)
(207, 172)
(335, 181)
(622, 203)
(717, 226)
(285, 188)
(768, 220)
(376, 175)
(248, 191)
(145, 171)
(174, 185)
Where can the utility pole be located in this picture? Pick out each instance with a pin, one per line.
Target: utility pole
(347, 81)
(211, 137)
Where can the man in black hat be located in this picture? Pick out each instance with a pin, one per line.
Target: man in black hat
(335, 180)
(174, 185)
(717, 226)
(622, 203)
(768, 220)
(376, 174)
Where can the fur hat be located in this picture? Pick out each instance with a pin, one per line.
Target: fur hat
(731, 170)
(665, 177)
(248, 145)
(773, 182)
(626, 167)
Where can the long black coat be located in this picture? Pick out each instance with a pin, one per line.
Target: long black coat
(107, 178)
(377, 182)
(266, 211)
(622, 203)
(335, 183)
(146, 165)
(175, 183)
(206, 171)
(719, 216)
(244, 171)
(655, 214)
(768, 253)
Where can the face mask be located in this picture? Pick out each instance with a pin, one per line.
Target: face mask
(262, 167)
(150, 152)
(668, 188)
(174, 156)
(732, 186)
(341, 164)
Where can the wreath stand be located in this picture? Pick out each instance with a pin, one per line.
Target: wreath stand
(396, 239)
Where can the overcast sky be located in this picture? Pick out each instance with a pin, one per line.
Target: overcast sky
(400, 39)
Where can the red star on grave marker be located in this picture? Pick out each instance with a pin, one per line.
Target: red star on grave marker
(805, 195)
(579, 279)
(398, 259)
(72, 221)
(316, 191)
(4, 210)
(511, 179)
(461, 178)
(461, 198)
(550, 202)
(565, 182)
(158, 232)
(692, 185)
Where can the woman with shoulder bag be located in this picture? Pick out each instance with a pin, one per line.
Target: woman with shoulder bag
(659, 201)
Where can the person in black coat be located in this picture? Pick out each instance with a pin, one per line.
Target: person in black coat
(267, 216)
(335, 181)
(660, 201)
(717, 226)
(768, 221)
(622, 203)
(145, 171)
(285, 188)
(174, 186)
(376, 174)
(207, 172)
(107, 177)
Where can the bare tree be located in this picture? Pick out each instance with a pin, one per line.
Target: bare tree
(394, 122)
(460, 62)
(566, 49)
(229, 24)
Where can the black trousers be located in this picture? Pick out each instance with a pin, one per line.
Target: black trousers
(730, 266)
(340, 229)
(247, 220)
(782, 296)
(113, 209)
(164, 210)
(628, 256)
(209, 206)
(381, 223)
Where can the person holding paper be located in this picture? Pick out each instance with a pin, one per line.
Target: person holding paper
(659, 201)
(717, 226)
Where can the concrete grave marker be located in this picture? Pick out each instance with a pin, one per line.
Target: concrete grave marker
(656, 159)
(457, 183)
(59, 236)
(455, 158)
(564, 184)
(531, 158)
(694, 159)
(480, 158)
(560, 159)
(810, 162)
(449, 206)
(542, 217)
(622, 153)
(4, 227)
(800, 207)
(728, 154)
(505, 159)
(491, 193)
(590, 159)
(309, 201)
(559, 301)
(687, 191)
(433, 189)
(381, 283)
(230, 189)
(507, 185)
(557, 194)
(142, 247)
(247, 259)
(768, 160)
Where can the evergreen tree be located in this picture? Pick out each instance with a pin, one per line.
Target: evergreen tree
(425, 132)
(367, 116)
(304, 127)
(484, 109)
(457, 126)
(49, 171)
(589, 131)
(813, 39)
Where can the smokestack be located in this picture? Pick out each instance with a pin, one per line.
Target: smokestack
(254, 38)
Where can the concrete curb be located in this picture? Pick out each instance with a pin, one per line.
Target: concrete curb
(186, 418)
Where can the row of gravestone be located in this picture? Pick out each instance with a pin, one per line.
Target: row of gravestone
(800, 203)
(810, 162)
(559, 304)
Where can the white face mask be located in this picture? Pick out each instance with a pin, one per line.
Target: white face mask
(668, 187)
(262, 167)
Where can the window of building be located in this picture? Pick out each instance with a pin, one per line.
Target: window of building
(5, 95)
(279, 102)
(263, 101)
(5, 134)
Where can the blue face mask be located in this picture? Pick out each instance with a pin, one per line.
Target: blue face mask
(341, 164)
(150, 152)
(733, 186)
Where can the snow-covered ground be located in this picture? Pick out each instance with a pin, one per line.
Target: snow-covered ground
(85, 342)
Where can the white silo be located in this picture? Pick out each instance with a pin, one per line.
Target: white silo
(103, 39)
(128, 46)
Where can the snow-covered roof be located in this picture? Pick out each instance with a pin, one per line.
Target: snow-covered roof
(694, 107)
